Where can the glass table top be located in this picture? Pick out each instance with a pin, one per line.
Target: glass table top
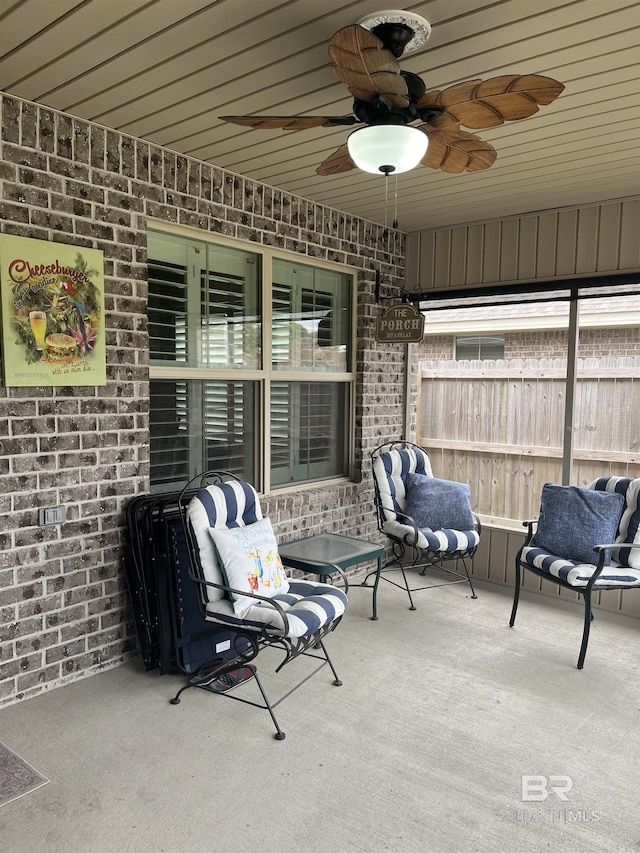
(331, 548)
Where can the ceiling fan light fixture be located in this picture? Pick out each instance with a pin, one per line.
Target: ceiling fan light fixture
(388, 148)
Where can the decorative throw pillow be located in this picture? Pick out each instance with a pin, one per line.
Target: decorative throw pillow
(439, 504)
(572, 520)
(250, 561)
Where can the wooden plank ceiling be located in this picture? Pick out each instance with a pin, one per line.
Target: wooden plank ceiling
(165, 70)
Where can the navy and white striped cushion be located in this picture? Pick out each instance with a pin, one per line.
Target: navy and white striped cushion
(578, 574)
(449, 540)
(433, 540)
(629, 527)
(390, 470)
(309, 606)
(227, 505)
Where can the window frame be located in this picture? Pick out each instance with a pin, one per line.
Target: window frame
(265, 374)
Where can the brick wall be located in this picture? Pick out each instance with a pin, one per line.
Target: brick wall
(593, 343)
(64, 609)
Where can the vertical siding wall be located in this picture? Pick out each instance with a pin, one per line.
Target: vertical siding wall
(566, 243)
(570, 242)
(64, 608)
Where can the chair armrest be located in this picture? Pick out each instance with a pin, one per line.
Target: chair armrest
(529, 524)
(232, 590)
(617, 545)
(409, 522)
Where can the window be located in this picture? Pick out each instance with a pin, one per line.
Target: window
(251, 364)
(519, 421)
(479, 347)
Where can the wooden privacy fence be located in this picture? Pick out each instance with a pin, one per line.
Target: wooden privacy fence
(499, 425)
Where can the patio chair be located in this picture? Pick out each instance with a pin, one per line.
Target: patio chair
(585, 540)
(428, 520)
(243, 586)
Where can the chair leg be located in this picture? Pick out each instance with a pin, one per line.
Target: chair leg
(466, 568)
(406, 584)
(279, 735)
(588, 617)
(516, 596)
(336, 679)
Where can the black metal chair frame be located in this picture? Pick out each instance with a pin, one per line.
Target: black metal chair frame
(419, 558)
(585, 591)
(249, 640)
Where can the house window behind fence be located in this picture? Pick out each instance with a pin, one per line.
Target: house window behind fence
(469, 347)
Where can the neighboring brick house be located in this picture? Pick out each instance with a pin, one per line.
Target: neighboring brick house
(524, 331)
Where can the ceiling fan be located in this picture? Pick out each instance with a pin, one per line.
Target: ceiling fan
(387, 102)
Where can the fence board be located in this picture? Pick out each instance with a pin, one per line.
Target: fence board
(498, 425)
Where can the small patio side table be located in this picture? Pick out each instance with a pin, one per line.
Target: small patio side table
(310, 553)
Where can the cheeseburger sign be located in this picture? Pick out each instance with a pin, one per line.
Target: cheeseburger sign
(400, 324)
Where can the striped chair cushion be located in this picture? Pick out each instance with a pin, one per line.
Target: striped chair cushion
(578, 574)
(227, 505)
(390, 470)
(434, 540)
(309, 606)
(629, 527)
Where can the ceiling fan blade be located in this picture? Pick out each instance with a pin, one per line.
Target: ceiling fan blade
(489, 103)
(456, 151)
(289, 122)
(339, 161)
(367, 68)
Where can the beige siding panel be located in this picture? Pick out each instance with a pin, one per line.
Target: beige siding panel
(475, 247)
(562, 243)
(509, 250)
(481, 559)
(498, 555)
(427, 256)
(630, 236)
(527, 248)
(458, 257)
(609, 237)
(631, 602)
(411, 267)
(547, 233)
(587, 246)
(567, 242)
(491, 259)
(442, 267)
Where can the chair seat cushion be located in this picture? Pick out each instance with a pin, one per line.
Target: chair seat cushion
(443, 541)
(448, 540)
(577, 573)
(309, 606)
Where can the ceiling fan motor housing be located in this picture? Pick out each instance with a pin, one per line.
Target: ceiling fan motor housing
(394, 36)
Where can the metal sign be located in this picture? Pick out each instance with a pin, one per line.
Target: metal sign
(400, 324)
